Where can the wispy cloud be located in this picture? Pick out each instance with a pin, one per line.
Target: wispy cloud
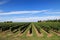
(22, 12)
(3, 1)
(30, 12)
(35, 19)
(53, 12)
(31, 19)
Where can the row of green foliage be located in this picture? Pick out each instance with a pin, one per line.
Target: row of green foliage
(14, 27)
(47, 26)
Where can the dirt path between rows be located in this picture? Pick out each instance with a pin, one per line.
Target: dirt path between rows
(56, 33)
(48, 34)
(28, 34)
(38, 34)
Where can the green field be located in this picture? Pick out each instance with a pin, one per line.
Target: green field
(30, 31)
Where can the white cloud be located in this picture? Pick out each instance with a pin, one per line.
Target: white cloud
(29, 12)
(32, 19)
(29, 19)
(54, 12)
(22, 12)
(3, 1)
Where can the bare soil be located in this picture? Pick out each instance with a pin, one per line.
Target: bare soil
(38, 34)
(28, 34)
(49, 35)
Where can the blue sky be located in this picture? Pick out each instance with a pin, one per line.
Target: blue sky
(29, 10)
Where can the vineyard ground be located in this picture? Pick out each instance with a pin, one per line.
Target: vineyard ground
(26, 36)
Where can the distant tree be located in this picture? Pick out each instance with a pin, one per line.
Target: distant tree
(55, 20)
(59, 20)
(8, 22)
(40, 21)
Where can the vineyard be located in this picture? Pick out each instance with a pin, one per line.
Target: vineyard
(30, 31)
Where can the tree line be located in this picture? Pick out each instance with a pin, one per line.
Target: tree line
(54, 20)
